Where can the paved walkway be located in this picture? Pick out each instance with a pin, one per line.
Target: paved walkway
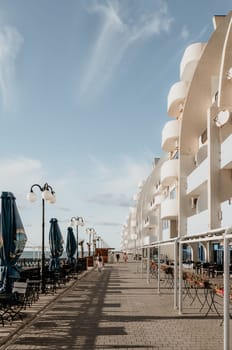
(116, 309)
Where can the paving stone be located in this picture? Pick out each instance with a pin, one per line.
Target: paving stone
(114, 309)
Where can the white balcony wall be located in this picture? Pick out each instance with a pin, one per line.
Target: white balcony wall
(169, 209)
(201, 154)
(133, 223)
(226, 154)
(190, 60)
(226, 208)
(146, 240)
(198, 223)
(131, 245)
(197, 177)
(176, 98)
(170, 135)
(169, 172)
(151, 222)
(158, 199)
(166, 234)
(151, 205)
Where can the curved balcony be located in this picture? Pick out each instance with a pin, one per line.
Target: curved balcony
(151, 204)
(169, 209)
(169, 172)
(170, 135)
(133, 223)
(190, 60)
(150, 221)
(225, 86)
(176, 98)
(158, 199)
(158, 189)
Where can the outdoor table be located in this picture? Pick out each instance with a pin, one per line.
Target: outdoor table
(33, 290)
(30, 273)
(169, 278)
(195, 283)
(211, 303)
(194, 286)
(187, 289)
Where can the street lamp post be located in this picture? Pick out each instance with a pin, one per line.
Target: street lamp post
(78, 221)
(94, 243)
(47, 195)
(90, 232)
(98, 241)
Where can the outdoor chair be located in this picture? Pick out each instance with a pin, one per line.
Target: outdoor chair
(51, 280)
(218, 270)
(198, 267)
(33, 290)
(18, 300)
(4, 310)
(205, 268)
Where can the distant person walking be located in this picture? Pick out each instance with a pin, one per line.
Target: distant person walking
(117, 257)
(99, 263)
(125, 257)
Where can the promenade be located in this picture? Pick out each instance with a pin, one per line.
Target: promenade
(112, 309)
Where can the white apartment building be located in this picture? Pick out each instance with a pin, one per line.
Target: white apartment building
(189, 190)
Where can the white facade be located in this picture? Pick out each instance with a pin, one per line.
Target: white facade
(189, 190)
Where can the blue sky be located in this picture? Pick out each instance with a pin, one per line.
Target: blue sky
(83, 100)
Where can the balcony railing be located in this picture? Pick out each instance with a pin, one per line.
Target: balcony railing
(150, 221)
(170, 135)
(176, 98)
(169, 209)
(197, 177)
(169, 172)
(226, 154)
(198, 223)
(190, 60)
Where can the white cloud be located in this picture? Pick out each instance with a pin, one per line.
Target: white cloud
(120, 181)
(119, 30)
(19, 174)
(185, 33)
(102, 169)
(91, 194)
(119, 200)
(127, 177)
(10, 43)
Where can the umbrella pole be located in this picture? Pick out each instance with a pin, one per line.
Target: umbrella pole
(43, 253)
(77, 245)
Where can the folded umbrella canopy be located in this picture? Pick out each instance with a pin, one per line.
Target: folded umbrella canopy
(56, 244)
(12, 240)
(71, 245)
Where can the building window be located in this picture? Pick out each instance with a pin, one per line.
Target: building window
(193, 202)
(187, 253)
(165, 224)
(201, 252)
(203, 137)
(173, 193)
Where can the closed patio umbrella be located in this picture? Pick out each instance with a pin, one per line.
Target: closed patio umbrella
(71, 246)
(12, 240)
(56, 244)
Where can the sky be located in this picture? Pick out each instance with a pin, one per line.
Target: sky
(83, 101)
